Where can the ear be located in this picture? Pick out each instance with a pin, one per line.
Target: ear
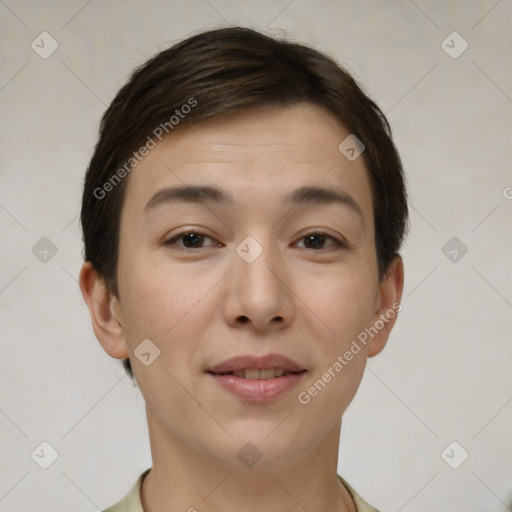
(105, 311)
(388, 306)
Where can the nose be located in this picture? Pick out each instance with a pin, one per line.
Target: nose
(259, 293)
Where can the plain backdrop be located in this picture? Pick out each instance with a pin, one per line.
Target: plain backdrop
(445, 375)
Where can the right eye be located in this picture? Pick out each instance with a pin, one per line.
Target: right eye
(190, 240)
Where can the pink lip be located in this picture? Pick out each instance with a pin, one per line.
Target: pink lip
(259, 363)
(257, 390)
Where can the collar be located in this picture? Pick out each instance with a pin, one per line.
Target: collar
(131, 502)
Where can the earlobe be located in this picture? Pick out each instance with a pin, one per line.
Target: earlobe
(105, 315)
(390, 294)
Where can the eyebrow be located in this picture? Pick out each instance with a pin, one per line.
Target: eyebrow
(210, 194)
(189, 194)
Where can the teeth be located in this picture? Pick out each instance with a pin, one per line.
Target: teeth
(252, 374)
(259, 374)
(268, 374)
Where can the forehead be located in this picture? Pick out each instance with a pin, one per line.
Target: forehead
(255, 154)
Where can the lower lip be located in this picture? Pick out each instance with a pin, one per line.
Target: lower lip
(258, 390)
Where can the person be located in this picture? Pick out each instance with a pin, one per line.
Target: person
(242, 217)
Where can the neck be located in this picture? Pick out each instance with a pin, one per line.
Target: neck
(186, 479)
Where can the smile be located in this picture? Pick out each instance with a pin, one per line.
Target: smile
(258, 385)
(255, 374)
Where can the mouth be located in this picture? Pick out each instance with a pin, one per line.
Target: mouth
(268, 366)
(257, 379)
(255, 374)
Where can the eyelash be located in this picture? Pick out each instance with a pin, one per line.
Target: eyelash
(338, 244)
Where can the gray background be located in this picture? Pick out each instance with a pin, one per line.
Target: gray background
(445, 374)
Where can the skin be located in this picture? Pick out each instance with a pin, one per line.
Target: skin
(205, 304)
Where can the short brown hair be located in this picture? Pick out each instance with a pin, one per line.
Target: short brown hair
(218, 72)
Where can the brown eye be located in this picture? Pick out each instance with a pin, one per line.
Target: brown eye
(318, 240)
(189, 240)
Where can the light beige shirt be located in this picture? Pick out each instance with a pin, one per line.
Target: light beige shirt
(131, 502)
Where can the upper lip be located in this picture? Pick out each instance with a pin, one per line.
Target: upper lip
(259, 363)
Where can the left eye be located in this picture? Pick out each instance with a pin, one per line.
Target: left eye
(317, 240)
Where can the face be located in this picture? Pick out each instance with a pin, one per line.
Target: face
(258, 264)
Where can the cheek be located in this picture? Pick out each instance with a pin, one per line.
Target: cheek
(157, 296)
(345, 304)
(167, 305)
(344, 301)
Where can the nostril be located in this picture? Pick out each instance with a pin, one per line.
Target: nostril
(243, 319)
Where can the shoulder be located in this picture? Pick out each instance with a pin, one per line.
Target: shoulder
(361, 505)
(131, 502)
